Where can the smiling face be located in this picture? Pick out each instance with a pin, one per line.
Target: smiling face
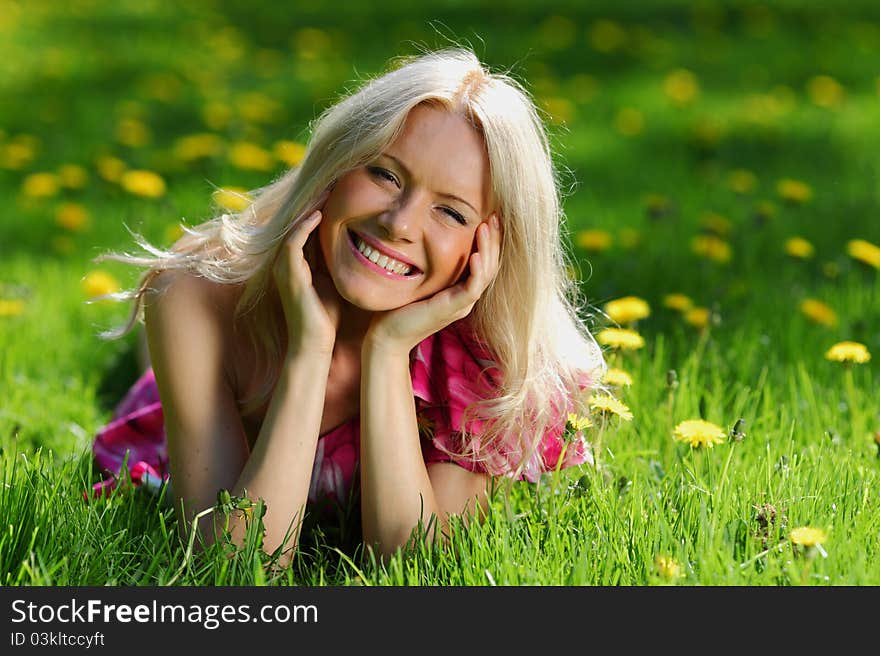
(401, 228)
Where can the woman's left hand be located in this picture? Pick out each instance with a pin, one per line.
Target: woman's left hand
(400, 330)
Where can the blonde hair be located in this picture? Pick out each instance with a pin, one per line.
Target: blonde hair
(531, 316)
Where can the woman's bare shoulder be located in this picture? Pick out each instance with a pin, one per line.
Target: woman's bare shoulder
(188, 287)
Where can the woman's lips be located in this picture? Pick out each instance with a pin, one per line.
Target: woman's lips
(372, 265)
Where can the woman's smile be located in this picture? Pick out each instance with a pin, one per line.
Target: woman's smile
(376, 258)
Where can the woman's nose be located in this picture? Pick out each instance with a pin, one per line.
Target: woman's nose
(402, 221)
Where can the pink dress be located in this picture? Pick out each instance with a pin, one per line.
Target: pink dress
(449, 370)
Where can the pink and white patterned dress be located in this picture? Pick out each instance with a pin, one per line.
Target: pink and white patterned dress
(449, 370)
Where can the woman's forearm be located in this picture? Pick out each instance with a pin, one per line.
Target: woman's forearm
(279, 469)
(396, 492)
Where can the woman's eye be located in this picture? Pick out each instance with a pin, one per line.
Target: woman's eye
(383, 173)
(455, 215)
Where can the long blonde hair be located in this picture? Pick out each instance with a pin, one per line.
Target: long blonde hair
(532, 317)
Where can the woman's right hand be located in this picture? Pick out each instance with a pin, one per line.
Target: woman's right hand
(311, 303)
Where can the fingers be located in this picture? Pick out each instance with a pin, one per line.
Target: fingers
(302, 229)
(486, 260)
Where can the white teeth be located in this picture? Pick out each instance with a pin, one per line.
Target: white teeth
(382, 260)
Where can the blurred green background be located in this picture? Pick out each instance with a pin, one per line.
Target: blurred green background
(694, 141)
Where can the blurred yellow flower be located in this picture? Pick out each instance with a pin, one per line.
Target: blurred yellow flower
(799, 247)
(72, 216)
(617, 377)
(98, 283)
(594, 240)
(699, 433)
(681, 86)
(173, 232)
(143, 183)
(132, 132)
(608, 405)
(289, 152)
(578, 423)
(560, 110)
(807, 536)
(717, 224)
(110, 168)
(711, 247)
(794, 191)
(72, 176)
(197, 146)
(258, 107)
(18, 153)
(698, 317)
(40, 185)
(657, 205)
(629, 121)
(234, 199)
(620, 338)
(606, 35)
(848, 352)
(764, 211)
(825, 91)
(742, 181)
(217, 115)
(246, 155)
(667, 567)
(629, 237)
(11, 308)
(864, 251)
(678, 302)
(819, 312)
(627, 310)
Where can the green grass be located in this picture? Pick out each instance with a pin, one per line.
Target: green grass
(809, 456)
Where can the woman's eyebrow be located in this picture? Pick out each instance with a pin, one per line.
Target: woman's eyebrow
(439, 193)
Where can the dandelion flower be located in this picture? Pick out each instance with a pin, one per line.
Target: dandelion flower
(698, 317)
(620, 338)
(681, 86)
(629, 121)
(667, 567)
(848, 352)
(98, 283)
(617, 377)
(794, 191)
(606, 35)
(578, 423)
(807, 536)
(627, 309)
(825, 91)
(699, 433)
(234, 199)
(629, 237)
(657, 205)
(819, 312)
(678, 302)
(40, 185)
(712, 248)
(133, 133)
(72, 216)
(246, 155)
(742, 181)
(191, 147)
(72, 176)
(608, 405)
(289, 152)
(594, 240)
(799, 247)
(143, 183)
(110, 168)
(11, 308)
(216, 115)
(864, 251)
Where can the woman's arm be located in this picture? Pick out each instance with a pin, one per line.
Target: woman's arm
(397, 489)
(207, 444)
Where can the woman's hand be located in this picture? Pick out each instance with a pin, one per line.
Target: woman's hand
(311, 303)
(400, 330)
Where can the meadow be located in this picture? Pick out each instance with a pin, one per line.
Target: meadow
(719, 163)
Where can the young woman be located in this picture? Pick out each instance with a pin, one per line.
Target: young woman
(390, 322)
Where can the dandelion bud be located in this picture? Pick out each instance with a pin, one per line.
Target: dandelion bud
(671, 379)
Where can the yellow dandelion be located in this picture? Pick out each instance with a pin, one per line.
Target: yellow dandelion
(132, 132)
(629, 121)
(583, 88)
(864, 251)
(825, 91)
(258, 108)
(764, 211)
(246, 155)
(794, 191)
(608, 405)
(667, 567)
(98, 283)
(698, 317)
(72, 216)
(72, 176)
(799, 247)
(578, 423)
(742, 181)
(143, 183)
(594, 240)
(606, 35)
(40, 185)
(617, 377)
(620, 338)
(234, 199)
(629, 238)
(681, 86)
(11, 307)
(217, 115)
(808, 536)
(110, 168)
(699, 433)
(848, 352)
(17, 154)
(627, 310)
(679, 302)
(289, 152)
(657, 205)
(716, 223)
(819, 312)
(192, 147)
(560, 110)
(712, 248)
